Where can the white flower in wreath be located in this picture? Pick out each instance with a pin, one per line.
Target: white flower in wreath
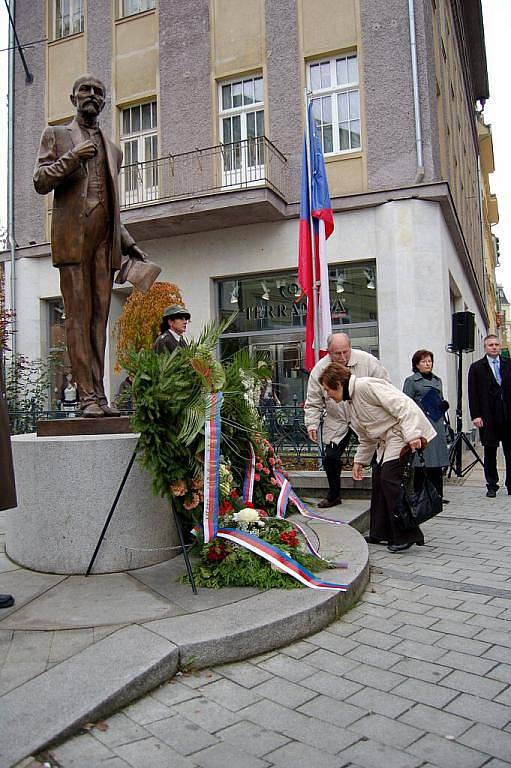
(246, 515)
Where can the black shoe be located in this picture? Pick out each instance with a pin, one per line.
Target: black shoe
(6, 601)
(446, 501)
(400, 547)
(372, 540)
(491, 493)
(326, 503)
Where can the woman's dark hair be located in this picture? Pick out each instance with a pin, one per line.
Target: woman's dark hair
(334, 375)
(420, 355)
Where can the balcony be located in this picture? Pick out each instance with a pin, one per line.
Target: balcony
(222, 186)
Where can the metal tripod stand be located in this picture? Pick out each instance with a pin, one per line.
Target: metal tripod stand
(460, 438)
(176, 520)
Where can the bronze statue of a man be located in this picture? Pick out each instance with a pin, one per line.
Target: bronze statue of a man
(80, 165)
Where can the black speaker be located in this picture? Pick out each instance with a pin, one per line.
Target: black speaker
(463, 327)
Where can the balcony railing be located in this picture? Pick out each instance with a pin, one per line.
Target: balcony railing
(223, 168)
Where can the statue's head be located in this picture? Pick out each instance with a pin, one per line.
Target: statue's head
(88, 96)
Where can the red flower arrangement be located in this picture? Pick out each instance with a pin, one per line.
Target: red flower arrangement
(290, 538)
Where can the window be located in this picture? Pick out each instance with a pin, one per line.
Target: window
(131, 7)
(242, 130)
(139, 141)
(68, 17)
(336, 102)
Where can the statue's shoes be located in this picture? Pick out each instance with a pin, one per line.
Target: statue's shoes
(93, 411)
(109, 410)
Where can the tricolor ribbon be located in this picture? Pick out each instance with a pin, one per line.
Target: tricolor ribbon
(248, 483)
(288, 494)
(278, 558)
(260, 547)
(211, 465)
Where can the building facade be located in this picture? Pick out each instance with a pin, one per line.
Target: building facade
(207, 100)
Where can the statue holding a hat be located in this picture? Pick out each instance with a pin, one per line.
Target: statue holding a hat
(172, 328)
(80, 165)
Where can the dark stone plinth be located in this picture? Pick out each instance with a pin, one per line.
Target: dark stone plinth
(108, 425)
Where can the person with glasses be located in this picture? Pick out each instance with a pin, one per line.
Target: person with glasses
(489, 398)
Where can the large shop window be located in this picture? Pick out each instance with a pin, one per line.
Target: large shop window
(139, 141)
(271, 317)
(68, 16)
(131, 7)
(336, 102)
(241, 109)
(59, 364)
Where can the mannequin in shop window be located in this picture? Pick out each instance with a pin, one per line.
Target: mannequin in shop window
(69, 398)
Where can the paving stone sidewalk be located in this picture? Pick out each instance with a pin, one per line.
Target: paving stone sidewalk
(417, 675)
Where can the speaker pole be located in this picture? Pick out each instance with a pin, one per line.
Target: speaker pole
(459, 412)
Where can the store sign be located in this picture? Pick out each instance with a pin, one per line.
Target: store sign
(269, 311)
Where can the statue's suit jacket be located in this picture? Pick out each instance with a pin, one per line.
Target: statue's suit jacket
(57, 170)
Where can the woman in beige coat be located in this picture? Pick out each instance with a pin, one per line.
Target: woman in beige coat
(389, 422)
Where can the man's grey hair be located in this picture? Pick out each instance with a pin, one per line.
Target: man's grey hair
(490, 336)
(332, 336)
(87, 79)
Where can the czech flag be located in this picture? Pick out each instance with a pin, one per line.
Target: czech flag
(316, 199)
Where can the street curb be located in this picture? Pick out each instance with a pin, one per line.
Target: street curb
(136, 659)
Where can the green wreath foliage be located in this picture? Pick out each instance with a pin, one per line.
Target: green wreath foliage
(171, 392)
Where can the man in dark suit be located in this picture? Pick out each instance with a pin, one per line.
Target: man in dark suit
(173, 327)
(489, 394)
(80, 165)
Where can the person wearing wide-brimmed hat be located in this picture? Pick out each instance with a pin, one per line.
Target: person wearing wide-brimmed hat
(172, 329)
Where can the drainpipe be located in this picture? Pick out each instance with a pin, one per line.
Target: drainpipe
(10, 178)
(416, 99)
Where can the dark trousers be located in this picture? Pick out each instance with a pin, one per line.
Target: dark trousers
(386, 488)
(490, 464)
(435, 474)
(86, 289)
(332, 465)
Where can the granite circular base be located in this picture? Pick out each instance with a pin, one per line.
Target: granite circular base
(66, 487)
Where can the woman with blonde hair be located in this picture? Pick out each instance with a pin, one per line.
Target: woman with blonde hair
(388, 422)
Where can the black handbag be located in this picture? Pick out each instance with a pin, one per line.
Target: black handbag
(414, 508)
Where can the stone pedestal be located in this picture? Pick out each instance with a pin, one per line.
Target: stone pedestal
(66, 486)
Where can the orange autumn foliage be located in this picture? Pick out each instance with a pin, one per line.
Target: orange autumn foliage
(139, 324)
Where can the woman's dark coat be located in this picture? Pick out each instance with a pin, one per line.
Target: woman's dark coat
(489, 401)
(416, 387)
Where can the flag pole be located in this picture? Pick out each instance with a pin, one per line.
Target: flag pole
(315, 292)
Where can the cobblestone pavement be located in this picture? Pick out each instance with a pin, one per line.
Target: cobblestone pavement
(417, 674)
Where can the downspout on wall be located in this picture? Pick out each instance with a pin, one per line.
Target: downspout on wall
(416, 98)
(10, 178)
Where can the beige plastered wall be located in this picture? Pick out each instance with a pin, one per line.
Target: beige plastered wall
(330, 27)
(237, 47)
(135, 61)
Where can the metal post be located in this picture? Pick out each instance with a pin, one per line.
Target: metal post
(315, 284)
(459, 414)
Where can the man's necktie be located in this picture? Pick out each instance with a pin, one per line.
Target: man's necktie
(496, 369)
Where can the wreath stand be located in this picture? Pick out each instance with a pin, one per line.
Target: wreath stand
(177, 521)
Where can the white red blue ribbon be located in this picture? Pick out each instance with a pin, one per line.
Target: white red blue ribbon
(211, 465)
(278, 558)
(260, 547)
(288, 494)
(248, 483)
